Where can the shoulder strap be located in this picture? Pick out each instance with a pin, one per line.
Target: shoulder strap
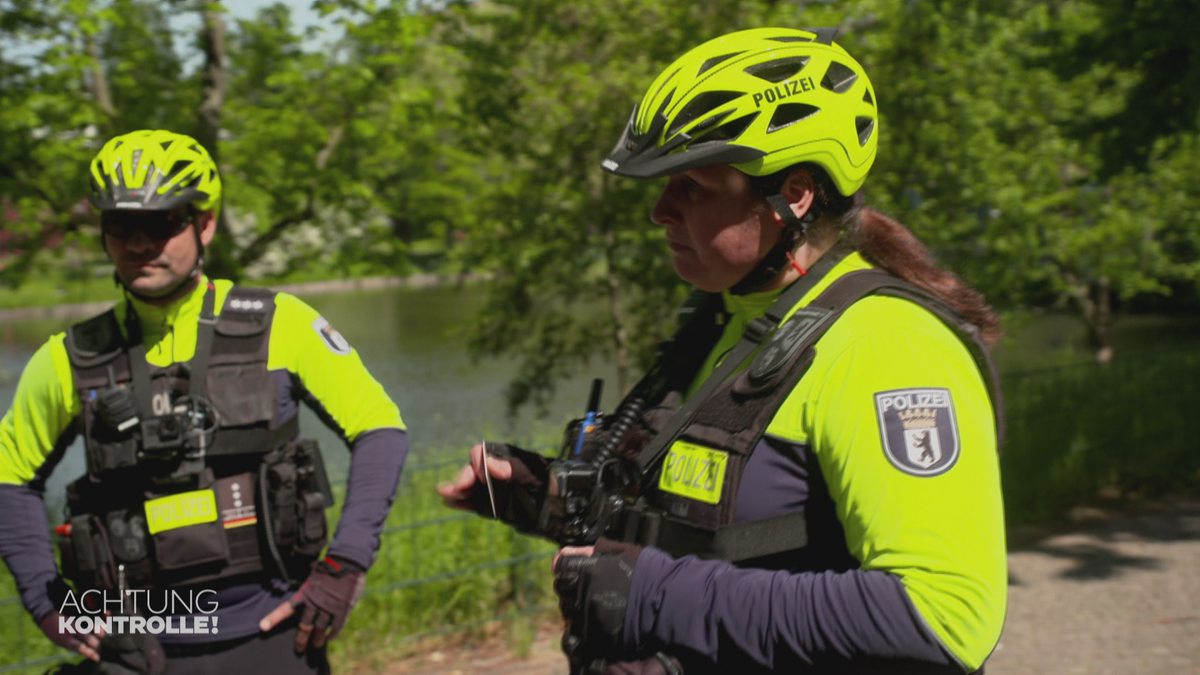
(204, 341)
(94, 342)
(755, 333)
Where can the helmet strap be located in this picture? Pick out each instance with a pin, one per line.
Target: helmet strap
(795, 233)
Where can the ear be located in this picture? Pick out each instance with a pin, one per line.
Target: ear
(800, 190)
(207, 222)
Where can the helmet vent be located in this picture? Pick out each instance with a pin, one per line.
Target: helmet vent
(178, 167)
(867, 97)
(714, 61)
(838, 78)
(665, 83)
(728, 131)
(778, 70)
(787, 114)
(865, 126)
(790, 38)
(699, 107)
(165, 144)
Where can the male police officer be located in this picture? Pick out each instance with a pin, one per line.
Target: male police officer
(186, 394)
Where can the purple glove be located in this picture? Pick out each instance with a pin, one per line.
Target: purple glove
(325, 600)
(88, 645)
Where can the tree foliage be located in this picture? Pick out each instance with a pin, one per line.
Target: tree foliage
(1043, 148)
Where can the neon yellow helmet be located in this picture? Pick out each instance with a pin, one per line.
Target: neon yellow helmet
(154, 170)
(760, 100)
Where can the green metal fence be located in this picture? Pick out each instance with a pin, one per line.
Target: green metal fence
(1072, 430)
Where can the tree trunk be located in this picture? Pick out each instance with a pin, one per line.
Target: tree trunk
(221, 258)
(1094, 300)
(212, 81)
(99, 83)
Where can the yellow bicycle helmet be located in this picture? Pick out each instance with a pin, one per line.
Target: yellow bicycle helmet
(154, 170)
(761, 100)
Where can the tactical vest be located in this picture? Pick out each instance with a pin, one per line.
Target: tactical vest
(724, 426)
(190, 477)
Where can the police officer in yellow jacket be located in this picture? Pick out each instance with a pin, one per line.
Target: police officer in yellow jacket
(198, 489)
(816, 458)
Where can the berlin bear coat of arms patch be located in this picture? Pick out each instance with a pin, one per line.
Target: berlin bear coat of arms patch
(918, 429)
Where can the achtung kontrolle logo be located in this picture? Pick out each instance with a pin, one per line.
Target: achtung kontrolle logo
(139, 611)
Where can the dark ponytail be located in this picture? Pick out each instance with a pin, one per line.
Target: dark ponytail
(889, 245)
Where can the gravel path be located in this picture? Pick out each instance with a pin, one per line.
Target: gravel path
(1111, 594)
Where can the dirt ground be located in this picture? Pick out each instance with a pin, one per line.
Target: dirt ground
(1111, 593)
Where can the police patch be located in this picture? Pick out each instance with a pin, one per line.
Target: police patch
(333, 339)
(919, 430)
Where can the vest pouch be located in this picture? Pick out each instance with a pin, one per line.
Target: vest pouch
(238, 506)
(111, 441)
(313, 530)
(130, 544)
(189, 538)
(110, 455)
(297, 494)
(87, 559)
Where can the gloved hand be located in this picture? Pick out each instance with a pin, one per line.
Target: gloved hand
(88, 645)
(518, 480)
(593, 592)
(325, 601)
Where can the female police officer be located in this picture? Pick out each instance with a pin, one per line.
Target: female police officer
(846, 458)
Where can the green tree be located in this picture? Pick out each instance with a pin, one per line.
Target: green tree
(983, 155)
(348, 141)
(49, 120)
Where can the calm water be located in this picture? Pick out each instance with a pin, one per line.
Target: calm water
(413, 341)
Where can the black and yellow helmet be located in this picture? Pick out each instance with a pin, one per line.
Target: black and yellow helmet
(154, 170)
(761, 100)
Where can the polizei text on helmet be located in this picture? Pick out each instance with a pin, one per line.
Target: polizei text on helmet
(784, 90)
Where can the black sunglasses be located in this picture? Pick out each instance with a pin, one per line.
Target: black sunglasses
(157, 225)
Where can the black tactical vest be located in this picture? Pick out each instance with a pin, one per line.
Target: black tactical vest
(194, 479)
(733, 418)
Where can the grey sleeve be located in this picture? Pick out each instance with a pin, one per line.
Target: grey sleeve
(377, 458)
(26, 548)
(710, 613)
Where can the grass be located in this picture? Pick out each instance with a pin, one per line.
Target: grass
(1076, 433)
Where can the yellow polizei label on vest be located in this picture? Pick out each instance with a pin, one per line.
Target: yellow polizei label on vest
(181, 510)
(694, 471)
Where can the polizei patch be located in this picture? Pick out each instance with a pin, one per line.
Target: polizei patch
(919, 430)
(333, 339)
